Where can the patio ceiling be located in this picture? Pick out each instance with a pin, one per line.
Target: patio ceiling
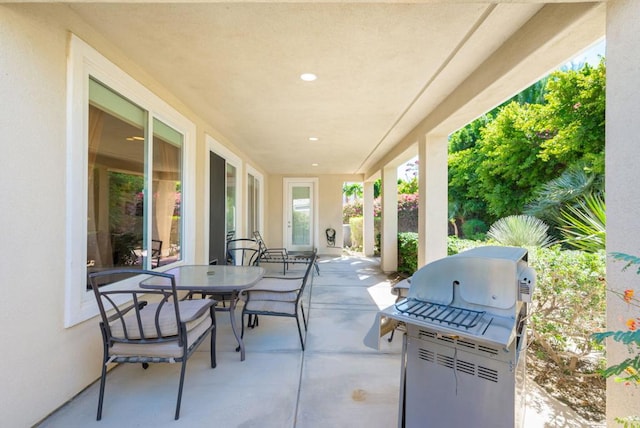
(382, 67)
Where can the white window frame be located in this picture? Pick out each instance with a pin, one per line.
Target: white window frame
(260, 179)
(84, 61)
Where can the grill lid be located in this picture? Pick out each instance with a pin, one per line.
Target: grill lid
(476, 294)
(484, 276)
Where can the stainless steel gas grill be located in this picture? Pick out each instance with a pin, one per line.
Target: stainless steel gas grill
(463, 362)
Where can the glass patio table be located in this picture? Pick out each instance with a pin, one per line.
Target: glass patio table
(212, 279)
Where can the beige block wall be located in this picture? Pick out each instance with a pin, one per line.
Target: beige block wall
(622, 176)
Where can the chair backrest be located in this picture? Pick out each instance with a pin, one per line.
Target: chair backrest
(243, 252)
(262, 247)
(156, 252)
(139, 321)
(308, 272)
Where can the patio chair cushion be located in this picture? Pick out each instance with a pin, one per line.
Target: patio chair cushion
(192, 312)
(164, 349)
(274, 295)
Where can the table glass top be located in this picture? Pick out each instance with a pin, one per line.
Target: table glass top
(204, 277)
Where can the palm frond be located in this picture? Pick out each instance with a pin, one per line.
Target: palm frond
(572, 184)
(583, 225)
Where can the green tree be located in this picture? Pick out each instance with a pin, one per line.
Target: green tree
(574, 117)
(510, 168)
(534, 94)
(497, 168)
(408, 187)
(376, 188)
(352, 190)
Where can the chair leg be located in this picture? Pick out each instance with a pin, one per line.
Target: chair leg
(303, 317)
(214, 332)
(242, 324)
(103, 379)
(300, 332)
(182, 371)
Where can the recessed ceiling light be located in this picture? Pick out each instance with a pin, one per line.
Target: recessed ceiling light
(313, 138)
(314, 164)
(308, 77)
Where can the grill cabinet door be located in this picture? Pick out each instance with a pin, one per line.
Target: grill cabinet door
(451, 387)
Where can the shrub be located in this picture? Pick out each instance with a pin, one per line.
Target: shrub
(456, 245)
(407, 213)
(352, 209)
(407, 252)
(520, 231)
(356, 232)
(474, 229)
(568, 304)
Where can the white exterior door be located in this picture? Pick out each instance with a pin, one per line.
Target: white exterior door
(299, 210)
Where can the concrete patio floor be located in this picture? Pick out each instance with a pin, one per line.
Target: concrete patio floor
(336, 382)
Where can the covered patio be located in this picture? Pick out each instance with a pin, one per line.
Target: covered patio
(227, 133)
(336, 382)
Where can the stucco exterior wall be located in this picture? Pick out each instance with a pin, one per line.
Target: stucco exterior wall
(44, 364)
(622, 175)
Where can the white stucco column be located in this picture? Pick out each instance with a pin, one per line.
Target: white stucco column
(622, 191)
(368, 231)
(433, 199)
(389, 227)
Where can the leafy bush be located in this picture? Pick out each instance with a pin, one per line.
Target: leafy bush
(520, 231)
(457, 245)
(352, 209)
(474, 229)
(408, 213)
(377, 235)
(407, 252)
(356, 232)
(568, 304)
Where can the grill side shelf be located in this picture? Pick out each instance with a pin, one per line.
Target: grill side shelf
(446, 314)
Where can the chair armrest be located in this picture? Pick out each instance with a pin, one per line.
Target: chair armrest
(275, 252)
(193, 309)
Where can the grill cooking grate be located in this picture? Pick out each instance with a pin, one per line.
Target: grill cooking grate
(451, 315)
